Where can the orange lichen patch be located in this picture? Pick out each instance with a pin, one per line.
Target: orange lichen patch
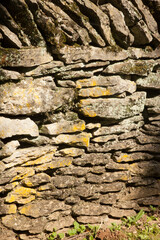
(88, 112)
(124, 158)
(23, 173)
(45, 158)
(71, 152)
(86, 83)
(55, 164)
(26, 209)
(78, 127)
(21, 195)
(12, 209)
(94, 92)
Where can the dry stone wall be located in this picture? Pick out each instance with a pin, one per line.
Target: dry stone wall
(79, 113)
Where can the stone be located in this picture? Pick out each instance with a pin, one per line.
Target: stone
(91, 126)
(73, 170)
(79, 140)
(89, 209)
(120, 30)
(10, 37)
(141, 33)
(38, 141)
(155, 200)
(107, 177)
(45, 69)
(6, 233)
(60, 224)
(21, 195)
(9, 148)
(131, 157)
(150, 82)
(71, 152)
(66, 84)
(119, 213)
(123, 126)
(136, 67)
(92, 219)
(36, 180)
(63, 127)
(33, 96)
(90, 53)
(92, 159)
(85, 191)
(146, 169)
(6, 209)
(111, 187)
(113, 108)
(24, 57)
(41, 207)
(66, 181)
(74, 74)
(103, 20)
(74, 8)
(109, 199)
(14, 127)
(30, 156)
(54, 164)
(6, 75)
(104, 139)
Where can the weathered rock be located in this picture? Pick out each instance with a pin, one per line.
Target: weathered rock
(30, 156)
(92, 159)
(33, 96)
(110, 187)
(10, 37)
(137, 67)
(67, 181)
(22, 223)
(42, 208)
(63, 127)
(104, 86)
(70, 152)
(9, 148)
(150, 200)
(6, 209)
(36, 180)
(131, 157)
(91, 53)
(120, 30)
(38, 141)
(125, 125)
(27, 57)
(91, 219)
(107, 177)
(146, 169)
(6, 75)
(21, 195)
(60, 224)
(14, 127)
(74, 74)
(6, 233)
(113, 108)
(119, 213)
(89, 209)
(73, 170)
(79, 140)
(151, 81)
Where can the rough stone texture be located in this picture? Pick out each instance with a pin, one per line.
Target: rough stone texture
(14, 127)
(113, 108)
(79, 113)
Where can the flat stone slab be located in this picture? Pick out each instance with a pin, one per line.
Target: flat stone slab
(26, 57)
(113, 108)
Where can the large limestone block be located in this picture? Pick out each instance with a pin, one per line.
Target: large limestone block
(113, 108)
(26, 57)
(63, 127)
(15, 127)
(33, 96)
(137, 67)
(151, 81)
(91, 53)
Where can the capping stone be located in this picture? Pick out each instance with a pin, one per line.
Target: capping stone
(113, 108)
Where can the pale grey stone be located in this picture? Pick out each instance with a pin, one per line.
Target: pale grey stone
(120, 30)
(152, 81)
(10, 36)
(119, 213)
(15, 127)
(61, 223)
(31, 96)
(9, 148)
(113, 108)
(6, 75)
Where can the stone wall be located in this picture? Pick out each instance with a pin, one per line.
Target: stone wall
(79, 113)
